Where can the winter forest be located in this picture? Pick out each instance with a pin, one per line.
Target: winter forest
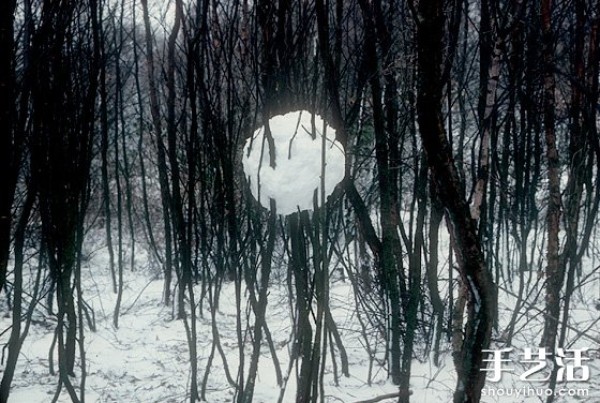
(299, 201)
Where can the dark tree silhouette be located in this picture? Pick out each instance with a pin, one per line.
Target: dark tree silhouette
(11, 138)
(430, 34)
(471, 145)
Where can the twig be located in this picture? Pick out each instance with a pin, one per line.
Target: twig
(394, 395)
(535, 308)
(138, 296)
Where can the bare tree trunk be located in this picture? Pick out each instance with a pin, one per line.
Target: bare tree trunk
(119, 129)
(554, 274)
(101, 53)
(16, 335)
(140, 147)
(493, 76)
(435, 219)
(259, 304)
(394, 287)
(430, 33)
(9, 148)
(161, 153)
(580, 169)
(304, 329)
(414, 280)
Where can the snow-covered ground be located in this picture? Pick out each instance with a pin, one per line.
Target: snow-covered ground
(146, 359)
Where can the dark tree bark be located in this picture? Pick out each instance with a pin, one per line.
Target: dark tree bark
(259, 305)
(16, 335)
(156, 115)
(389, 233)
(490, 71)
(436, 216)
(119, 130)
(414, 280)
(61, 154)
(430, 34)
(580, 164)
(104, 143)
(300, 268)
(554, 273)
(9, 139)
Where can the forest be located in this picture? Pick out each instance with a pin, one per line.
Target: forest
(160, 243)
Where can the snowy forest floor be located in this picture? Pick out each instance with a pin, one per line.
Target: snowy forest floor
(146, 359)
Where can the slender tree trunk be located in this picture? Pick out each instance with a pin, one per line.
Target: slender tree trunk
(487, 128)
(554, 274)
(414, 282)
(161, 153)
(140, 148)
(430, 33)
(9, 154)
(16, 335)
(101, 53)
(260, 304)
(435, 220)
(304, 335)
(389, 232)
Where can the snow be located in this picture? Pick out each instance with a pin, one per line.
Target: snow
(298, 163)
(147, 359)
